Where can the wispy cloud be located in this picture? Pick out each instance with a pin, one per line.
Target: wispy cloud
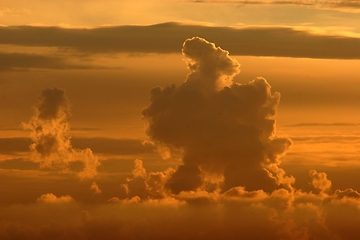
(342, 5)
(26, 61)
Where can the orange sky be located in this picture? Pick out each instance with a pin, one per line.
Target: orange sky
(116, 123)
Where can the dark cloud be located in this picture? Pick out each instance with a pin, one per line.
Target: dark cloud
(23, 61)
(168, 37)
(343, 5)
(195, 215)
(224, 130)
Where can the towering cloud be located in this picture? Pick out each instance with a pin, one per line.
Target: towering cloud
(50, 134)
(225, 130)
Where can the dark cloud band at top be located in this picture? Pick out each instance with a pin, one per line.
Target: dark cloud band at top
(168, 38)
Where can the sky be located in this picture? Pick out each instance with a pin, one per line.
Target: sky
(174, 119)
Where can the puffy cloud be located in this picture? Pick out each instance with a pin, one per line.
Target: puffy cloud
(347, 193)
(95, 188)
(51, 198)
(50, 134)
(223, 128)
(320, 181)
(145, 185)
(193, 215)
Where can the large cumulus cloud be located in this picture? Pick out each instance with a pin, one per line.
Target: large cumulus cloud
(225, 130)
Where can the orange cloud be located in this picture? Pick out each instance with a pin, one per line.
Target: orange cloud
(221, 127)
(51, 198)
(51, 145)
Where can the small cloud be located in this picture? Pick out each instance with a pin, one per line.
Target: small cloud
(51, 198)
(51, 145)
(320, 181)
(95, 188)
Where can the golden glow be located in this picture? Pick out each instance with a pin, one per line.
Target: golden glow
(126, 140)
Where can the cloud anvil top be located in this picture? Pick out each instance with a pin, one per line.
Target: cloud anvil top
(167, 37)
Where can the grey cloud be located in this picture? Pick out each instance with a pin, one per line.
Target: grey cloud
(168, 37)
(23, 61)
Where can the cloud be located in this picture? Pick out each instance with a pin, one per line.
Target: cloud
(19, 164)
(341, 5)
(223, 129)
(23, 61)
(109, 146)
(51, 145)
(51, 198)
(143, 185)
(320, 181)
(195, 215)
(95, 188)
(168, 37)
(114, 146)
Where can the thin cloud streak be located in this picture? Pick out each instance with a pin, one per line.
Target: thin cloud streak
(341, 5)
(168, 37)
(109, 146)
(23, 61)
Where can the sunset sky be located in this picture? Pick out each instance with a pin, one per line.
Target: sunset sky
(174, 119)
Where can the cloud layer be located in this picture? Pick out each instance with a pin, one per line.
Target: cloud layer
(168, 37)
(342, 5)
